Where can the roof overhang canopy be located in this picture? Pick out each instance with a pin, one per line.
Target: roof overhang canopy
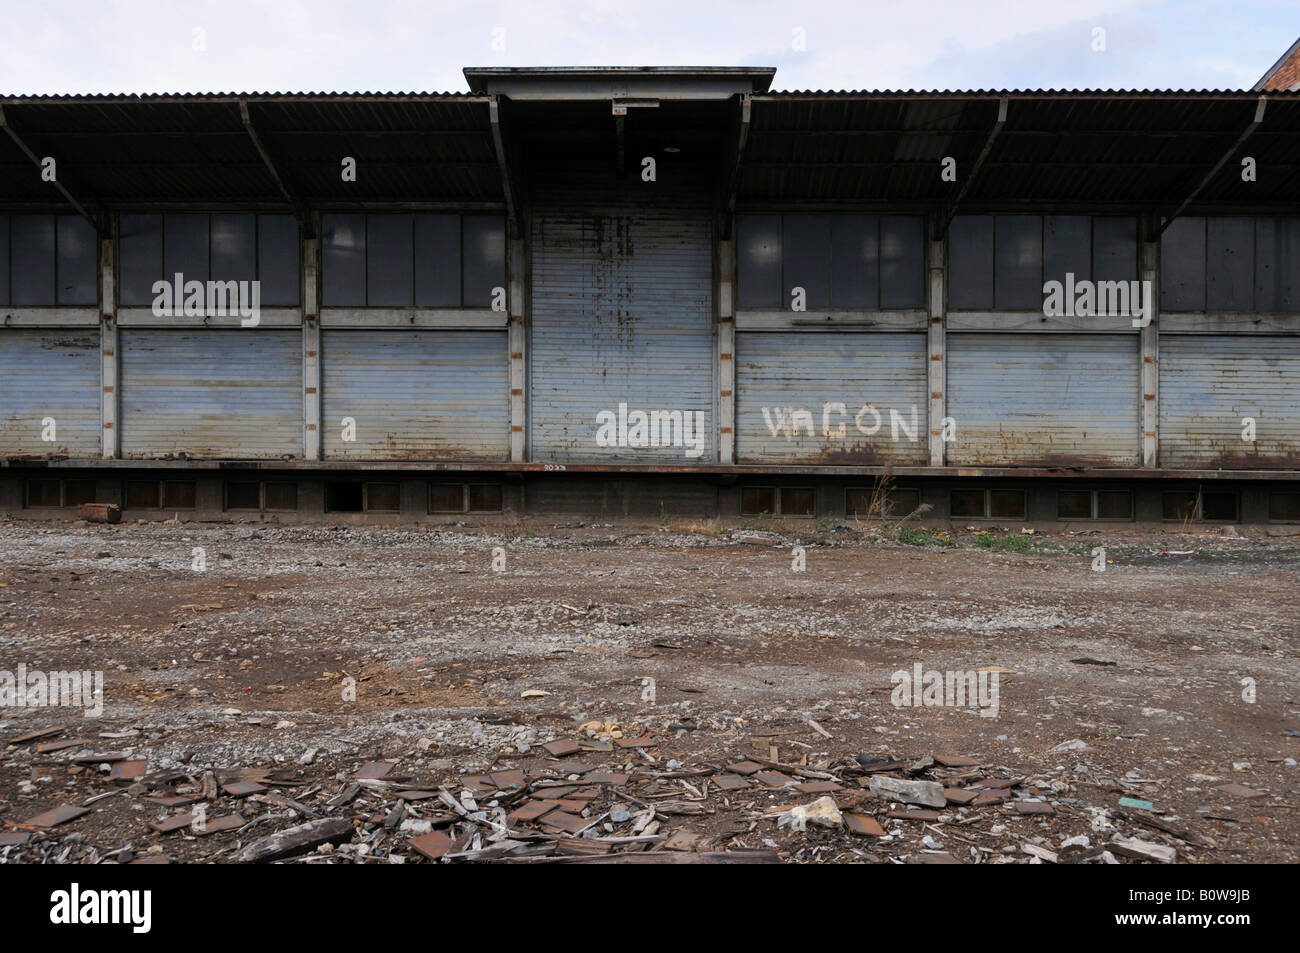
(640, 83)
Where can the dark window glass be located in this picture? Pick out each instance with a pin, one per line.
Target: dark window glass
(1074, 505)
(343, 265)
(857, 502)
(32, 257)
(1277, 264)
(185, 247)
(1182, 265)
(758, 261)
(1007, 504)
(484, 259)
(76, 492)
(343, 497)
(902, 261)
(78, 269)
(1114, 249)
(966, 503)
(140, 258)
(4, 259)
(1219, 506)
(807, 245)
(243, 496)
(142, 494)
(281, 496)
(902, 503)
(1284, 507)
(798, 501)
(383, 497)
(233, 248)
(389, 280)
(446, 498)
(278, 251)
(1178, 505)
(178, 494)
(1067, 247)
(1018, 267)
(437, 261)
(855, 261)
(757, 500)
(1230, 264)
(43, 493)
(485, 498)
(970, 262)
(1114, 505)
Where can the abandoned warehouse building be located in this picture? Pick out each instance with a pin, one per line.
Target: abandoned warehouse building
(629, 292)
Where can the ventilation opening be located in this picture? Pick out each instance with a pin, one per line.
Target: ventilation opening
(344, 497)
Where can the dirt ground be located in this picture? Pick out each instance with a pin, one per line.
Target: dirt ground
(1174, 671)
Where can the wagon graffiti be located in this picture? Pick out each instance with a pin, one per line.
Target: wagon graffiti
(839, 422)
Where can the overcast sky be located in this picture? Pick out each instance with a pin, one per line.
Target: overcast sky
(82, 46)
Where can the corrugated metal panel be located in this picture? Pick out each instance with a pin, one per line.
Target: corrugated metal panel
(49, 373)
(622, 315)
(1044, 399)
(211, 393)
(416, 394)
(1208, 383)
(796, 392)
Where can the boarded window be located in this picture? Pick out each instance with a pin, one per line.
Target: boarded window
(1219, 507)
(857, 502)
(447, 498)
(1179, 505)
(900, 503)
(281, 496)
(178, 494)
(798, 501)
(343, 261)
(757, 501)
(1114, 505)
(1182, 265)
(758, 261)
(243, 495)
(142, 494)
(855, 262)
(1277, 264)
(1007, 504)
(970, 262)
(44, 493)
(484, 258)
(1074, 505)
(234, 248)
(1067, 247)
(343, 497)
(383, 497)
(1114, 249)
(807, 245)
(966, 503)
(76, 492)
(389, 260)
(485, 498)
(1018, 264)
(185, 246)
(1284, 507)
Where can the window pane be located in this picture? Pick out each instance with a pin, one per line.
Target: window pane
(178, 495)
(78, 268)
(1067, 247)
(1018, 280)
(142, 494)
(857, 501)
(1277, 268)
(243, 496)
(970, 262)
(4, 258)
(1219, 506)
(278, 250)
(1179, 505)
(1182, 265)
(1230, 264)
(798, 501)
(383, 497)
(32, 257)
(1114, 249)
(1074, 505)
(1284, 506)
(389, 278)
(76, 492)
(758, 261)
(446, 498)
(484, 259)
(902, 261)
(281, 496)
(757, 500)
(485, 498)
(1114, 505)
(807, 265)
(140, 254)
(966, 503)
(43, 493)
(233, 246)
(185, 247)
(437, 261)
(855, 261)
(343, 265)
(1007, 504)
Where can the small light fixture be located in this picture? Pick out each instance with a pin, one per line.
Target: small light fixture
(673, 149)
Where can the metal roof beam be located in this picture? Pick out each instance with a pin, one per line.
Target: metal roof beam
(1223, 160)
(299, 209)
(36, 160)
(733, 179)
(507, 180)
(945, 217)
